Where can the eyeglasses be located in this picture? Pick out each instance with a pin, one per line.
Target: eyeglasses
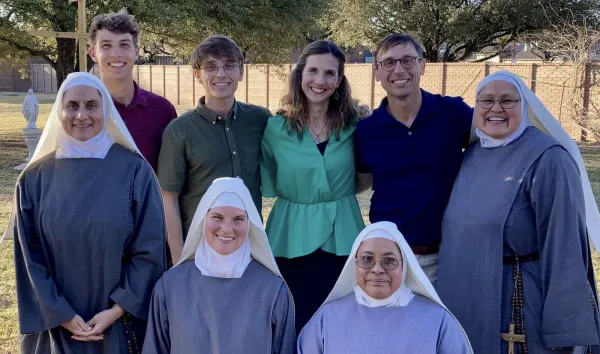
(505, 103)
(229, 67)
(368, 262)
(406, 62)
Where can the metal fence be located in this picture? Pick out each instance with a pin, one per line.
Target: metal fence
(265, 85)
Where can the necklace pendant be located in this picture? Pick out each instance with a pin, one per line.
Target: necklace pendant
(317, 139)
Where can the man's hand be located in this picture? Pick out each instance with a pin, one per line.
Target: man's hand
(365, 111)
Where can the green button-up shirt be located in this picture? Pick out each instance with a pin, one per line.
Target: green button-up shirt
(201, 146)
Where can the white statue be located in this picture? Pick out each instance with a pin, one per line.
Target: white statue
(31, 133)
(30, 109)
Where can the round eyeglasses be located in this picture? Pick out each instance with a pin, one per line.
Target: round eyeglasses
(386, 262)
(406, 62)
(505, 103)
(229, 67)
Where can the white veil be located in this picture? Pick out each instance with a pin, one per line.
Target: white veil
(415, 279)
(539, 116)
(49, 139)
(260, 249)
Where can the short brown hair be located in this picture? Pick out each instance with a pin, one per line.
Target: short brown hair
(397, 39)
(218, 46)
(117, 22)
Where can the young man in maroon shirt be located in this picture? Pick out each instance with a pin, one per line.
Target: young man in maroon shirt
(113, 46)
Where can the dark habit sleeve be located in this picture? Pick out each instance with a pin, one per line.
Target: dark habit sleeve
(144, 257)
(557, 198)
(41, 306)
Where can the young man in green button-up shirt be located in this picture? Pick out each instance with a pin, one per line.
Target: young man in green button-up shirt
(220, 138)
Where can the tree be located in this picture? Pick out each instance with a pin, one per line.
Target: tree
(267, 30)
(450, 30)
(18, 16)
(574, 38)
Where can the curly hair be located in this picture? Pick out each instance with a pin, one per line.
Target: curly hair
(341, 112)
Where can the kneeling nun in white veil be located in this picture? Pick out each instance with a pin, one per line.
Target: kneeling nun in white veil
(383, 303)
(225, 295)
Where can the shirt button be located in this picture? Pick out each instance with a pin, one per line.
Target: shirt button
(214, 122)
(234, 152)
(219, 117)
(409, 133)
(227, 129)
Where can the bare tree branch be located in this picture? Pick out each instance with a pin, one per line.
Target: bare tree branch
(573, 38)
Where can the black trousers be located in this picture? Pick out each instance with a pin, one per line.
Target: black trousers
(310, 279)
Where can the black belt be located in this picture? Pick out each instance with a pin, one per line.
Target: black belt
(526, 258)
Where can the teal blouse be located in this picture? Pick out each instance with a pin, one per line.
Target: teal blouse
(316, 205)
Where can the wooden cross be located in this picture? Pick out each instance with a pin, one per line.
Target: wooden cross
(512, 338)
(80, 35)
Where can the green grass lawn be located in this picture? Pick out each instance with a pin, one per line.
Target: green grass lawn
(13, 152)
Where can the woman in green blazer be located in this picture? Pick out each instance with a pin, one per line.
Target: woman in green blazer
(308, 164)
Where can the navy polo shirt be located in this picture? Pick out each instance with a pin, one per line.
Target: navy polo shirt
(414, 168)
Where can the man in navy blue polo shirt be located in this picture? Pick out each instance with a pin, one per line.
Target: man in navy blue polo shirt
(410, 149)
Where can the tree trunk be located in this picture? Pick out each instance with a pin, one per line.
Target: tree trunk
(431, 53)
(65, 61)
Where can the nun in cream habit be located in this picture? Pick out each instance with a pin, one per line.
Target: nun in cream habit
(522, 191)
(382, 303)
(225, 295)
(89, 230)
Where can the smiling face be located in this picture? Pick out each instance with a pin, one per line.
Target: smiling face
(496, 121)
(220, 77)
(115, 54)
(320, 77)
(82, 114)
(226, 229)
(400, 82)
(377, 282)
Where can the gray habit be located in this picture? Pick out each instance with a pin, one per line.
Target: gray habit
(522, 198)
(193, 313)
(89, 233)
(344, 326)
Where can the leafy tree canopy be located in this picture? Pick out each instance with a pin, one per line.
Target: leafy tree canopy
(450, 30)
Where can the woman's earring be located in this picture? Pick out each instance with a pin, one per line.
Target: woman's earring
(336, 95)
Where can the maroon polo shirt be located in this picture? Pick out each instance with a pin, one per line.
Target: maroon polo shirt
(146, 117)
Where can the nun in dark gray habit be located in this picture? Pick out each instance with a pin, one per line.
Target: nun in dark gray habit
(515, 265)
(225, 295)
(89, 230)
